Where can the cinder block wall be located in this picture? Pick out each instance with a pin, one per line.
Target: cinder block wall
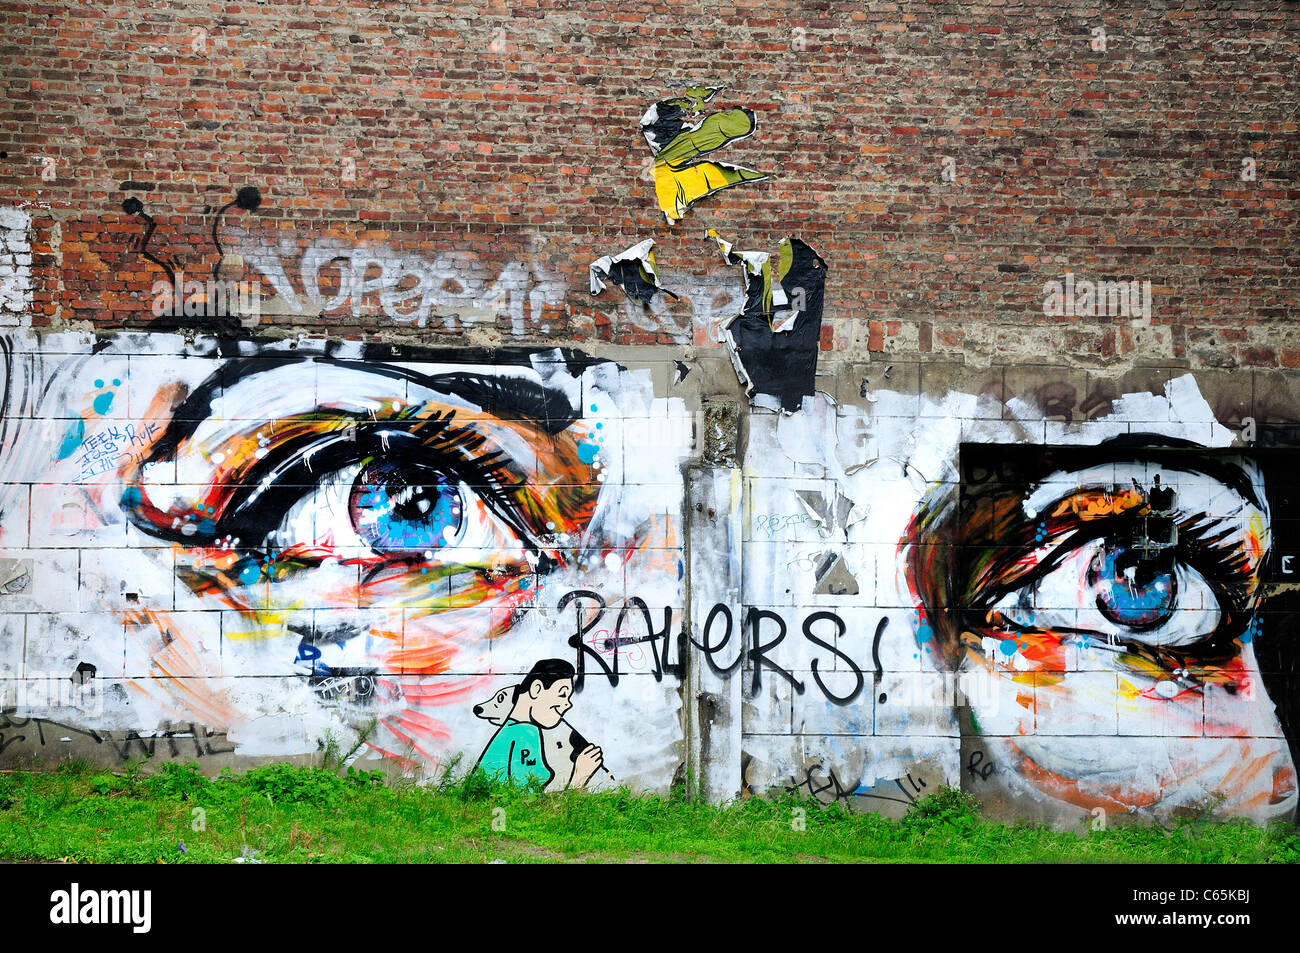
(315, 436)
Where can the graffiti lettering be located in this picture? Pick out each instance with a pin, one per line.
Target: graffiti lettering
(979, 767)
(859, 681)
(114, 447)
(814, 787)
(766, 630)
(657, 640)
(773, 523)
(122, 743)
(830, 790)
(455, 287)
(758, 651)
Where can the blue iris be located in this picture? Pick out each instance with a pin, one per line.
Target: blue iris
(405, 509)
(1132, 592)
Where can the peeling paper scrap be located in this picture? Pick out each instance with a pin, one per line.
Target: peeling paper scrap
(633, 270)
(680, 142)
(775, 340)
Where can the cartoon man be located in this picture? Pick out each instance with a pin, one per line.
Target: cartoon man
(515, 752)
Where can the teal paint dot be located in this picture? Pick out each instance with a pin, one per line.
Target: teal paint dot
(207, 527)
(1008, 646)
(131, 498)
(103, 402)
(99, 383)
(924, 633)
(593, 408)
(587, 452)
(116, 382)
(600, 426)
(250, 574)
(72, 439)
(524, 583)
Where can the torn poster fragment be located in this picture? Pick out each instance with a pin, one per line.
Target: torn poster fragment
(774, 341)
(831, 516)
(680, 142)
(632, 270)
(834, 577)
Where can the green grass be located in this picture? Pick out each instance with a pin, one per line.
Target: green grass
(311, 815)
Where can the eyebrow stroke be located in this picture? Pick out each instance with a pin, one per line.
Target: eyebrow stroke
(547, 407)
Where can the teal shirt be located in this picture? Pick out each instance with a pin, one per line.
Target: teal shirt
(515, 754)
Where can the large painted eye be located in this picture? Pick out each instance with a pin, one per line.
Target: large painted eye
(1133, 592)
(406, 509)
(1113, 591)
(399, 511)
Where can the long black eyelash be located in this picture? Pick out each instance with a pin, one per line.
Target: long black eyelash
(1224, 568)
(292, 469)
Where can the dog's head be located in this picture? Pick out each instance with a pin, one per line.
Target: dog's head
(497, 708)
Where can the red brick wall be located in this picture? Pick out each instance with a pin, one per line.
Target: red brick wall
(512, 134)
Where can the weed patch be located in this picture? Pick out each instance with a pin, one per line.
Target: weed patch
(281, 813)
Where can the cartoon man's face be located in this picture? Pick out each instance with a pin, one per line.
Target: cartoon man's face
(550, 704)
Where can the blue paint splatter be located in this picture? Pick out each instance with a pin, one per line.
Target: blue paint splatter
(131, 498)
(1249, 635)
(587, 452)
(104, 401)
(72, 439)
(250, 574)
(1008, 646)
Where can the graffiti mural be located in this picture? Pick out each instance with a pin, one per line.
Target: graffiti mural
(237, 549)
(1117, 590)
(1098, 621)
(251, 550)
(289, 542)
